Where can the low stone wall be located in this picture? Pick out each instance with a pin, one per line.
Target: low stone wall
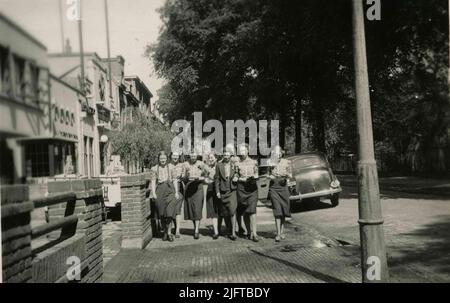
(88, 208)
(136, 221)
(83, 241)
(51, 265)
(16, 234)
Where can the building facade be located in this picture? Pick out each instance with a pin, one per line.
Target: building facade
(24, 97)
(137, 96)
(100, 107)
(52, 123)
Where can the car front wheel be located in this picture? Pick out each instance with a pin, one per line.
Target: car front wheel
(335, 200)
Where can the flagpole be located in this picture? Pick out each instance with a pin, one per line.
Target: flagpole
(61, 24)
(80, 37)
(108, 46)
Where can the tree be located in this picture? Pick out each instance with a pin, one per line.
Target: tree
(292, 61)
(140, 141)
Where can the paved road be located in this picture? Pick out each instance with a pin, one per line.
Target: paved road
(305, 256)
(322, 246)
(417, 231)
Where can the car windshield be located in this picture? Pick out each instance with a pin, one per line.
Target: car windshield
(309, 161)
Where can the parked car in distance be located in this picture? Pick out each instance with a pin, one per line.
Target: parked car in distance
(312, 177)
(111, 195)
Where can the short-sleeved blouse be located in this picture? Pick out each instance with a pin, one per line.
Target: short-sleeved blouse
(177, 171)
(282, 168)
(195, 170)
(247, 168)
(160, 174)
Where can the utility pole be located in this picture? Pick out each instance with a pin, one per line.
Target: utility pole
(109, 55)
(80, 38)
(61, 24)
(447, 114)
(1, 242)
(88, 171)
(373, 249)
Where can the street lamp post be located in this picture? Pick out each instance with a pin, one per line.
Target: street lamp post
(373, 250)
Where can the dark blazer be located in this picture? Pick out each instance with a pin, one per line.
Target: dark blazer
(222, 184)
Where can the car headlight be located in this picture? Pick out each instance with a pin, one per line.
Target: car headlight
(335, 184)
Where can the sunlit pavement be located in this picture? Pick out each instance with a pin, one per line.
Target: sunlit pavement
(322, 246)
(305, 256)
(417, 229)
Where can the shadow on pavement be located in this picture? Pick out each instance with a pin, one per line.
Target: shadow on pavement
(435, 253)
(309, 205)
(202, 231)
(315, 274)
(349, 192)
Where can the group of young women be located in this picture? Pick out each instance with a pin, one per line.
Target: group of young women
(228, 187)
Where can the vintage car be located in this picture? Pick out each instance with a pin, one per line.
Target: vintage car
(312, 178)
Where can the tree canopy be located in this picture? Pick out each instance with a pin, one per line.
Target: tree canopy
(292, 61)
(140, 140)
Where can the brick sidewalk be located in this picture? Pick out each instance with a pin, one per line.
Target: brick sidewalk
(305, 256)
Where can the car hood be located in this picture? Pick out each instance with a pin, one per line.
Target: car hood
(313, 180)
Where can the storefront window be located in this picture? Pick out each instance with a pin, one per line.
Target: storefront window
(85, 157)
(19, 71)
(6, 164)
(64, 158)
(37, 159)
(91, 155)
(5, 84)
(58, 156)
(102, 157)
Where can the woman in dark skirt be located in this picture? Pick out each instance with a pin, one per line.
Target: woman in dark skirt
(239, 219)
(225, 180)
(177, 172)
(193, 206)
(280, 173)
(212, 201)
(247, 191)
(164, 194)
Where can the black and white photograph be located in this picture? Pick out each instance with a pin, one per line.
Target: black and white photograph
(251, 143)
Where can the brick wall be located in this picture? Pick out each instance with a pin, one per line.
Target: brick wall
(88, 207)
(16, 234)
(136, 224)
(49, 263)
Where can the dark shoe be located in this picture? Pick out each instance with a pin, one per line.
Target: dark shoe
(215, 237)
(242, 234)
(165, 237)
(196, 236)
(170, 238)
(232, 237)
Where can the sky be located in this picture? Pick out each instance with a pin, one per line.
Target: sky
(134, 24)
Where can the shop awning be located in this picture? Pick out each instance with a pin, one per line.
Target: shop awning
(46, 138)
